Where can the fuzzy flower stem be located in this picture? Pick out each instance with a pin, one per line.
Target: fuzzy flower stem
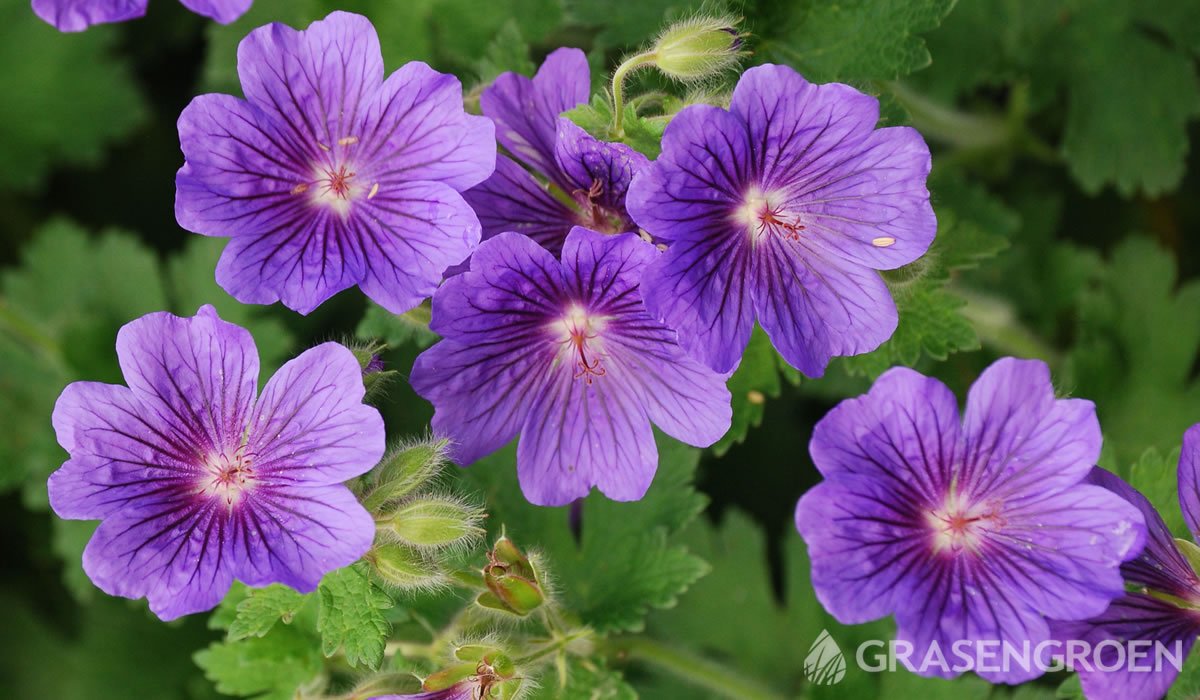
(618, 87)
(691, 668)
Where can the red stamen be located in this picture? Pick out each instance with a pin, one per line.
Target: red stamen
(770, 217)
(339, 182)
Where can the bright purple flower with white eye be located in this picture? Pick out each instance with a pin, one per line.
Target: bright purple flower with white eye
(565, 355)
(199, 483)
(77, 15)
(585, 179)
(965, 531)
(781, 210)
(327, 176)
(1165, 610)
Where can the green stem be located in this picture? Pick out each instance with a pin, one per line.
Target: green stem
(618, 87)
(995, 321)
(691, 668)
(958, 129)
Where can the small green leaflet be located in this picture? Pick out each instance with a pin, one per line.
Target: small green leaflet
(258, 612)
(853, 40)
(351, 616)
(264, 668)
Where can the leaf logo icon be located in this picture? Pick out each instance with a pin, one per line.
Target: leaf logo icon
(824, 664)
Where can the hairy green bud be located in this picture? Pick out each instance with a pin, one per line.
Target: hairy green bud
(433, 522)
(406, 469)
(698, 48)
(404, 568)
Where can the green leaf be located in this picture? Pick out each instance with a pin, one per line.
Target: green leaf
(68, 96)
(1187, 685)
(626, 561)
(106, 650)
(69, 539)
(59, 316)
(1138, 334)
(643, 134)
(191, 283)
(258, 612)
(508, 51)
(265, 668)
(352, 616)
(734, 615)
(1144, 94)
(586, 680)
(854, 40)
(397, 329)
(1156, 476)
(634, 24)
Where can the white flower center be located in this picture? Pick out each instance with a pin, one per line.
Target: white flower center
(578, 333)
(765, 213)
(228, 476)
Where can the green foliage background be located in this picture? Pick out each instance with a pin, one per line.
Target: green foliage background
(1066, 193)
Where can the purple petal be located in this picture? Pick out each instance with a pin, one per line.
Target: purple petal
(410, 233)
(874, 209)
(526, 110)
(223, 11)
(815, 307)
(302, 265)
(197, 374)
(861, 544)
(795, 125)
(321, 81)
(1189, 479)
(685, 399)
(1134, 617)
(484, 375)
(513, 200)
(859, 192)
(904, 432)
(1060, 553)
(480, 392)
(416, 129)
(1019, 438)
(77, 15)
(600, 173)
(120, 452)
(296, 534)
(169, 551)
(310, 425)
(1160, 565)
(690, 192)
(240, 170)
(699, 289)
(580, 435)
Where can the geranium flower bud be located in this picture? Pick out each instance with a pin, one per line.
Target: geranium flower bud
(512, 581)
(404, 568)
(698, 48)
(405, 470)
(436, 522)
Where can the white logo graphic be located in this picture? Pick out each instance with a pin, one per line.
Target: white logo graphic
(824, 664)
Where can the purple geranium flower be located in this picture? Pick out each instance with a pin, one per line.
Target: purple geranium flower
(968, 531)
(566, 355)
(77, 15)
(1164, 609)
(781, 210)
(585, 179)
(328, 176)
(197, 482)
